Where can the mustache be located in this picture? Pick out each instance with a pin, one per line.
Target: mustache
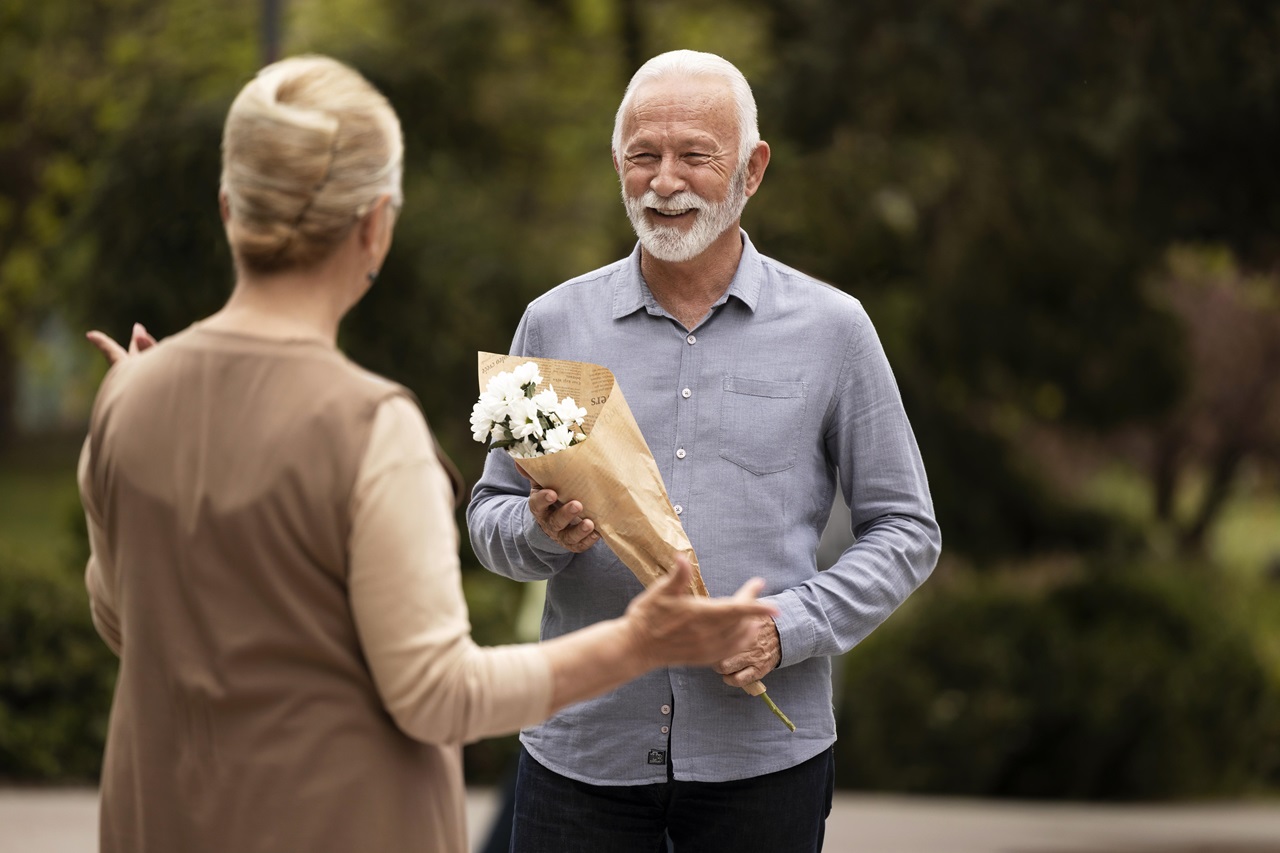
(683, 200)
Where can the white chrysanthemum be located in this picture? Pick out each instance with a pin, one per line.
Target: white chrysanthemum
(503, 387)
(526, 373)
(568, 411)
(524, 418)
(484, 414)
(537, 423)
(480, 425)
(524, 450)
(546, 400)
(558, 438)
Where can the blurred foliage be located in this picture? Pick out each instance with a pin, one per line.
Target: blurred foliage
(1230, 416)
(494, 607)
(997, 181)
(73, 76)
(169, 260)
(40, 516)
(1120, 684)
(56, 676)
(1062, 217)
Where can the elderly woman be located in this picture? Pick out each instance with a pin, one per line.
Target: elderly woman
(274, 551)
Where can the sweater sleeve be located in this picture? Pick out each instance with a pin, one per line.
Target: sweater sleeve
(406, 596)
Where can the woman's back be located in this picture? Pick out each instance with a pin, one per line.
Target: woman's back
(222, 467)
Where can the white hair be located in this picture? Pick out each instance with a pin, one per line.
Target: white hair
(692, 63)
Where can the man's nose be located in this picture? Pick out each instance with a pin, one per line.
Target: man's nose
(669, 179)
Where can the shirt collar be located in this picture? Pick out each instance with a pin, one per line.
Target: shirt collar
(630, 293)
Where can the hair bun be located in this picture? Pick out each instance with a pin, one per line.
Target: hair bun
(308, 145)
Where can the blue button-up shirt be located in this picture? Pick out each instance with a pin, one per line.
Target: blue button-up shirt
(779, 396)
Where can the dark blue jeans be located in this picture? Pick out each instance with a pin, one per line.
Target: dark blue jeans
(783, 812)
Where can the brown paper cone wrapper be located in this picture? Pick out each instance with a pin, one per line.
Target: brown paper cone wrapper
(612, 474)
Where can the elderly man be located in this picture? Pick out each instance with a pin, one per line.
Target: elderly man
(759, 391)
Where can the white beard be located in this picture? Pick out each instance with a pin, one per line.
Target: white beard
(670, 242)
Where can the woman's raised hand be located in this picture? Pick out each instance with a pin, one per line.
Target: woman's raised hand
(671, 626)
(139, 340)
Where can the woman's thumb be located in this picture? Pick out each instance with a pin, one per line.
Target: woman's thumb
(750, 590)
(676, 581)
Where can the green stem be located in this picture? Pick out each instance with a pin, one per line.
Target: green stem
(777, 712)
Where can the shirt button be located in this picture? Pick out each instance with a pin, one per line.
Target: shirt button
(693, 339)
(680, 453)
(686, 393)
(679, 509)
(666, 729)
(666, 709)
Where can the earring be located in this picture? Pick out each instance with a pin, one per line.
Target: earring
(372, 275)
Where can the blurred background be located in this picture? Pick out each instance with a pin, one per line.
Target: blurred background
(1064, 218)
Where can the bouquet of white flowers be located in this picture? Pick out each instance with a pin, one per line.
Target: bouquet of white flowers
(512, 414)
(595, 454)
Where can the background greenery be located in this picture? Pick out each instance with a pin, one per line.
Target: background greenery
(1062, 216)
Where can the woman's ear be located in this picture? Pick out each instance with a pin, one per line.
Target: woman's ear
(376, 227)
(224, 206)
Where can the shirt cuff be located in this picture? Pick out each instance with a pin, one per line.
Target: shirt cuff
(538, 539)
(795, 629)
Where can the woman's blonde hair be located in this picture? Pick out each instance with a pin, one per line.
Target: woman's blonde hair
(309, 146)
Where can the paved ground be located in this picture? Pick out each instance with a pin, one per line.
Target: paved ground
(64, 821)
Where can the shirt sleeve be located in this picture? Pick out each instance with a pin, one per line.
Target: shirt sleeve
(891, 513)
(99, 573)
(504, 534)
(406, 597)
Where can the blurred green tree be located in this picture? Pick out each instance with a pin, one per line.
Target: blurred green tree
(1231, 416)
(508, 185)
(501, 135)
(43, 115)
(997, 180)
(74, 76)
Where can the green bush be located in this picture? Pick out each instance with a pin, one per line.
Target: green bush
(1112, 686)
(493, 603)
(56, 676)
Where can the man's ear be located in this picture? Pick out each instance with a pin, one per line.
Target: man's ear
(756, 164)
(224, 206)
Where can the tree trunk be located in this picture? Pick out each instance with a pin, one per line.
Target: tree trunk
(1221, 477)
(1164, 476)
(8, 390)
(632, 47)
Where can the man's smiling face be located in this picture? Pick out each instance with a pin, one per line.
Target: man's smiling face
(682, 183)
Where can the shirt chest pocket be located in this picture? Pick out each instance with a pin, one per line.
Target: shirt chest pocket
(760, 423)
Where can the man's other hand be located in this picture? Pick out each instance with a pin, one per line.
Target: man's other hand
(756, 662)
